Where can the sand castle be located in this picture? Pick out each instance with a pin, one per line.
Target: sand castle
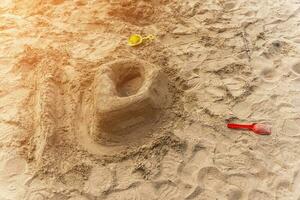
(128, 94)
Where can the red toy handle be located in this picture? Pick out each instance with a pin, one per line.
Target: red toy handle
(240, 126)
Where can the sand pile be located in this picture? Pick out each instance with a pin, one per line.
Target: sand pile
(84, 116)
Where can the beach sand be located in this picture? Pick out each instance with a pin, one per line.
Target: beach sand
(68, 133)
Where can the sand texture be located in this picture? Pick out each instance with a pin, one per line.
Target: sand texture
(84, 116)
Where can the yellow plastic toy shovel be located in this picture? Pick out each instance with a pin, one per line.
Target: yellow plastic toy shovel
(136, 39)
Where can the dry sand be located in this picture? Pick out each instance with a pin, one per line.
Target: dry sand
(213, 62)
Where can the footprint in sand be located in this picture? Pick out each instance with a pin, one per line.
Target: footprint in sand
(231, 5)
(100, 48)
(233, 193)
(295, 85)
(259, 195)
(291, 127)
(285, 107)
(210, 178)
(74, 179)
(100, 180)
(129, 194)
(296, 68)
(269, 75)
(167, 191)
(288, 153)
(15, 166)
(242, 110)
(8, 132)
(296, 102)
(235, 86)
(199, 160)
(40, 194)
(194, 193)
(239, 180)
(250, 13)
(170, 165)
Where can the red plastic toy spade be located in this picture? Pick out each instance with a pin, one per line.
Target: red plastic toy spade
(261, 129)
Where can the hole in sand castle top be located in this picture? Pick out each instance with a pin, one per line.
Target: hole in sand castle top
(129, 82)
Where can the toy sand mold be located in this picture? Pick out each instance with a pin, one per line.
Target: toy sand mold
(126, 104)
